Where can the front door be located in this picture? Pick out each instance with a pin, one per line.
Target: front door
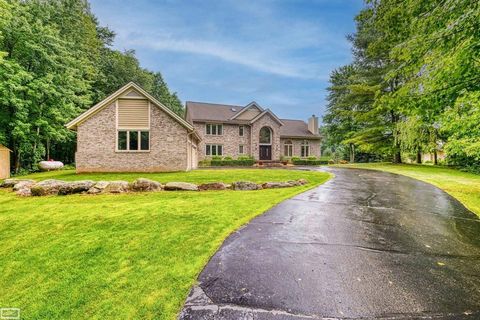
(265, 153)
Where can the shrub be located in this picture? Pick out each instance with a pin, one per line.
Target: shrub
(243, 161)
(308, 161)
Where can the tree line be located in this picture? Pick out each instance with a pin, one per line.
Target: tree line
(413, 86)
(56, 61)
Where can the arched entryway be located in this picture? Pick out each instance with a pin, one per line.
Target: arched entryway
(265, 143)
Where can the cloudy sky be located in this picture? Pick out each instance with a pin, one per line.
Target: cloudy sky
(277, 53)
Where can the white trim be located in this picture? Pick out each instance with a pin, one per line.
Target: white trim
(214, 124)
(264, 113)
(248, 106)
(139, 137)
(105, 102)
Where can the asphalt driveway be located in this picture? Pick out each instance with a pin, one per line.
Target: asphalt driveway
(364, 245)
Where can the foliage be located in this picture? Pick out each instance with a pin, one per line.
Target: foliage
(55, 62)
(413, 79)
(310, 161)
(242, 161)
(134, 255)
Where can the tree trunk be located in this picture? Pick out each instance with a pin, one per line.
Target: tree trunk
(352, 153)
(419, 157)
(435, 157)
(48, 149)
(397, 157)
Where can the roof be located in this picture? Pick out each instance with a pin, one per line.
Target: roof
(2, 147)
(105, 102)
(296, 129)
(226, 113)
(197, 111)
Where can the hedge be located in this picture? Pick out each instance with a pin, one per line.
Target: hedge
(232, 162)
(308, 162)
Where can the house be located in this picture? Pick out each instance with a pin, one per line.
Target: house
(130, 131)
(229, 130)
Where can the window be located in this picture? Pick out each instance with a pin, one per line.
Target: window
(265, 136)
(241, 130)
(241, 149)
(133, 140)
(214, 129)
(213, 150)
(304, 149)
(288, 148)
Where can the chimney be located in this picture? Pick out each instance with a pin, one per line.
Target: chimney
(313, 124)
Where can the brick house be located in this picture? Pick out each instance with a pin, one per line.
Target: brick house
(229, 130)
(130, 131)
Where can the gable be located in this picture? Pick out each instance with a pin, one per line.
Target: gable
(249, 114)
(270, 115)
(129, 91)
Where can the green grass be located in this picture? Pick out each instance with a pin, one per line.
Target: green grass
(127, 256)
(462, 185)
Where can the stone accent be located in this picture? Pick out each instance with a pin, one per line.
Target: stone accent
(9, 183)
(266, 121)
(76, 187)
(47, 187)
(119, 186)
(96, 145)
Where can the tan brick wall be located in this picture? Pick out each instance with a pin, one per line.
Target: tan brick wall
(230, 140)
(266, 121)
(96, 138)
(297, 143)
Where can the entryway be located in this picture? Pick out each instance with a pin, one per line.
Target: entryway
(265, 153)
(265, 141)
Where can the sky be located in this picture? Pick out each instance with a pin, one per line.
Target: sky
(278, 53)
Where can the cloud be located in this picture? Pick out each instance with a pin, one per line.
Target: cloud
(249, 56)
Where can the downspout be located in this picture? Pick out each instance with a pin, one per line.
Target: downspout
(189, 164)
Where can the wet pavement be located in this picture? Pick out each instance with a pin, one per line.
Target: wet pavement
(365, 245)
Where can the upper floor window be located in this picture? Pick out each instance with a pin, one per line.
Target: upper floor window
(265, 135)
(304, 149)
(288, 148)
(241, 131)
(214, 129)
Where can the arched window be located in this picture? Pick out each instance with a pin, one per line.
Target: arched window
(288, 148)
(304, 149)
(265, 135)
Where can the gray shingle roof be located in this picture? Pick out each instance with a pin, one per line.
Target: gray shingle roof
(200, 111)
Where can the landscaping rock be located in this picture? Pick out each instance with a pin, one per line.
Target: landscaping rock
(302, 181)
(212, 186)
(76, 187)
(23, 184)
(294, 183)
(47, 187)
(119, 186)
(185, 186)
(9, 183)
(273, 185)
(245, 185)
(142, 184)
(98, 187)
(24, 192)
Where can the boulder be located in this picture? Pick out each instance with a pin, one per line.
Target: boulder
(142, 184)
(47, 187)
(98, 187)
(184, 186)
(273, 185)
(25, 192)
(245, 185)
(76, 187)
(302, 181)
(212, 186)
(9, 183)
(294, 183)
(119, 186)
(23, 184)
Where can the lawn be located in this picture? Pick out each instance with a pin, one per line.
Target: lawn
(462, 185)
(127, 256)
